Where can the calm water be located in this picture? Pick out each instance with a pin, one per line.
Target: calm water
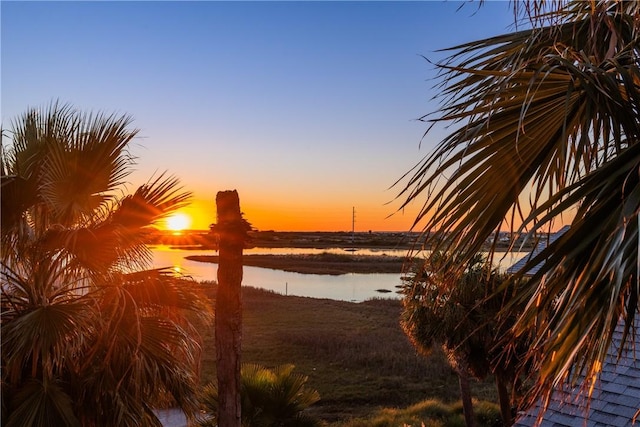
(346, 287)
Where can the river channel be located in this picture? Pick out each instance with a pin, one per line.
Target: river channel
(346, 287)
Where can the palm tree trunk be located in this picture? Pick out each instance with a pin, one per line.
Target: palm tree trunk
(465, 395)
(505, 402)
(228, 315)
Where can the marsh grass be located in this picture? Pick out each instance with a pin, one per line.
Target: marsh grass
(429, 413)
(355, 355)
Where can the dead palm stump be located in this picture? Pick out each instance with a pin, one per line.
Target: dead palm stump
(232, 231)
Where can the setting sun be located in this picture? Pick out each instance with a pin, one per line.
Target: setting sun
(178, 222)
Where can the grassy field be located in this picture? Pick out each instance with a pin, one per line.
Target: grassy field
(355, 355)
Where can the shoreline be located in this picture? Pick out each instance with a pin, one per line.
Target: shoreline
(203, 239)
(324, 263)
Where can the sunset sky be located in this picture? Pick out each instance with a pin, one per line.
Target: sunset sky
(306, 108)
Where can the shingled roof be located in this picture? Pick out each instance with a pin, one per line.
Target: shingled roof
(540, 246)
(615, 401)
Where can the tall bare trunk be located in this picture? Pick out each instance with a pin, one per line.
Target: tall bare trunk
(231, 229)
(465, 395)
(505, 401)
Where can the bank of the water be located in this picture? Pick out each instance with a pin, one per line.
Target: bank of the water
(323, 263)
(354, 287)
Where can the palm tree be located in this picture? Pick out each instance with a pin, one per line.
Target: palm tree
(270, 398)
(90, 335)
(547, 131)
(461, 316)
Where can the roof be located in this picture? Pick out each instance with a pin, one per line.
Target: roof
(615, 401)
(540, 246)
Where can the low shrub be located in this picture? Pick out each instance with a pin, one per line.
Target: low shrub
(428, 413)
(488, 414)
(269, 398)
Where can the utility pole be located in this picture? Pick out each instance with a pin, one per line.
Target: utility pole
(353, 224)
(232, 230)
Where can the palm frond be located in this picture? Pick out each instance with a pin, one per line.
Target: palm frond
(81, 173)
(547, 131)
(87, 337)
(150, 203)
(42, 339)
(580, 304)
(163, 288)
(41, 404)
(118, 241)
(523, 124)
(147, 349)
(17, 195)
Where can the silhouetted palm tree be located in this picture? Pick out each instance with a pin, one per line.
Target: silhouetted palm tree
(460, 314)
(89, 335)
(548, 131)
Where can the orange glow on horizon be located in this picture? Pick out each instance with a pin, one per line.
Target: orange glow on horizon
(293, 214)
(267, 213)
(273, 214)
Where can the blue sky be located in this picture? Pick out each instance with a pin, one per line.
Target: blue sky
(306, 108)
